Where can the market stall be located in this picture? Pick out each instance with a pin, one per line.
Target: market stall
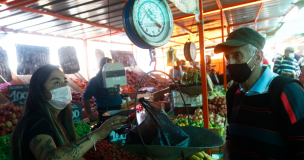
(140, 35)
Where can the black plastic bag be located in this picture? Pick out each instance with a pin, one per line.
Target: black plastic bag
(157, 129)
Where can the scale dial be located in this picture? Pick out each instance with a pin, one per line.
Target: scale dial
(148, 23)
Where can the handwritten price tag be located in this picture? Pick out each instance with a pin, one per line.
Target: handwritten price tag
(18, 94)
(77, 112)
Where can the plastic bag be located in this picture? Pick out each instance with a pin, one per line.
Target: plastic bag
(157, 129)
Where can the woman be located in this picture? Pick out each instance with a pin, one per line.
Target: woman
(46, 130)
(105, 98)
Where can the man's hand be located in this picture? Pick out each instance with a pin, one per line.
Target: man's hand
(286, 74)
(293, 74)
(93, 117)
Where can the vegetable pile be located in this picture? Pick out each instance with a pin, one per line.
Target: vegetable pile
(192, 76)
(9, 115)
(218, 106)
(217, 91)
(109, 151)
(82, 129)
(133, 80)
(197, 120)
(5, 147)
(81, 83)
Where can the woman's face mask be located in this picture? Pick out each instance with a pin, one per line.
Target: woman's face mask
(61, 97)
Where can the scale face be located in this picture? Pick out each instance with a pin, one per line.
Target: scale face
(148, 23)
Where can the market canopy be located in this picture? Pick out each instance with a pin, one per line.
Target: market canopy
(94, 19)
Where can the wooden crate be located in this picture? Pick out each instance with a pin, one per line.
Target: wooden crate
(3, 99)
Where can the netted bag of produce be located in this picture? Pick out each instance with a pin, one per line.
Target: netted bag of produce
(157, 129)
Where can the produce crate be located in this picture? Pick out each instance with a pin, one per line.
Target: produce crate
(16, 79)
(73, 86)
(156, 95)
(131, 104)
(218, 149)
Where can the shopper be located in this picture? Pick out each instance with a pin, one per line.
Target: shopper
(175, 72)
(262, 125)
(46, 130)
(105, 98)
(287, 65)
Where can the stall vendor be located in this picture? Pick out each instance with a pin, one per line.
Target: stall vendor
(177, 74)
(105, 98)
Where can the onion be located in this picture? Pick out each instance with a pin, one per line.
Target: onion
(211, 119)
(200, 116)
(223, 119)
(211, 115)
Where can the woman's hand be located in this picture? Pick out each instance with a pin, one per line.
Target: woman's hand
(115, 122)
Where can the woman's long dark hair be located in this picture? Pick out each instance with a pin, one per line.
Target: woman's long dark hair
(36, 106)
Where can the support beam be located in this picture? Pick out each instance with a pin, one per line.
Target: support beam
(257, 16)
(219, 4)
(224, 59)
(85, 43)
(35, 33)
(224, 9)
(266, 19)
(108, 34)
(203, 70)
(68, 18)
(17, 5)
(183, 28)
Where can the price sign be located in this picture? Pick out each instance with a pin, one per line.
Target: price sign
(18, 94)
(77, 112)
(5, 71)
(30, 58)
(68, 59)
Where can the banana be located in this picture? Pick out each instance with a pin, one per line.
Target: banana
(200, 155)
(194, 157)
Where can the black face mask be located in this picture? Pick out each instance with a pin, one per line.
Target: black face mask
(240, 72)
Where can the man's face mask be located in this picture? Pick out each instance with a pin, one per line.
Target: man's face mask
(240, 72)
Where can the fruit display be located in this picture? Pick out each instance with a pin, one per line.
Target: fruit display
(5, 147)
(109, 151)
(9, 116)
(81, 83)
(77, 98)
(197, 120)
(202, 156)
(4, 88)
(133, 80)
(82, 129)
(218, 106)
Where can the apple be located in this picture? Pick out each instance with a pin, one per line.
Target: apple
(14, 121)
(13, 115)
(9, 112)
(18, 114)
(12, 109)
(1, 107)
(2, 119)
(8, 117)
(3, 112)
(2, 126)
(8, 130)
(8, 124)
(13, 127)
(2, 132)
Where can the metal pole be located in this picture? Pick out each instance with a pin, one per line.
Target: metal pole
(203, 70)
(85, 42)
(224, 59)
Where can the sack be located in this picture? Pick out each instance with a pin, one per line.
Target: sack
(157, 129)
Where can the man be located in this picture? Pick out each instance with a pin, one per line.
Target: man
(105, 98)
(253, 133)
(287, 65)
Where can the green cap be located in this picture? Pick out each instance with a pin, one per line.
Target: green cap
(241, 37)
(290, 49)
